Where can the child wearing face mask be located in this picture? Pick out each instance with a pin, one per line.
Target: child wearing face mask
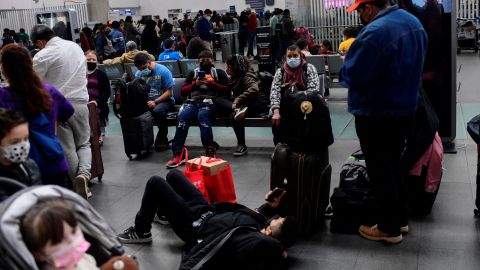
(14, 149)
(51, 233)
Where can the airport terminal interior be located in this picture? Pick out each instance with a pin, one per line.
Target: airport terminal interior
(446, 238)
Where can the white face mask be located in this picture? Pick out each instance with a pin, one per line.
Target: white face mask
(16, 153)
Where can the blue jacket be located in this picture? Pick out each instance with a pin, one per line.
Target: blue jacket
(118, 41)
(170, 55)
(383, 67)
(203, 28)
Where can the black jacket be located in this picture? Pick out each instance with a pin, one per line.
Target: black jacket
(104, 94)
(26, 173)
(247, 248)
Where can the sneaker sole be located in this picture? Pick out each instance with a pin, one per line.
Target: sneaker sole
(134, 241)
(391, 239)
(240, 154)
(240, 117)
(175, 166)
(81, 187)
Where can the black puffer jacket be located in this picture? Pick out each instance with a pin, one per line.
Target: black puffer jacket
(26, 173)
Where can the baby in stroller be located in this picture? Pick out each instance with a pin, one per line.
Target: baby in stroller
(49, 227)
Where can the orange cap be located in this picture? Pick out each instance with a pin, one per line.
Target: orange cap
(357, 3)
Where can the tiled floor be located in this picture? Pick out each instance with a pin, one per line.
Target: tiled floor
(447, 239)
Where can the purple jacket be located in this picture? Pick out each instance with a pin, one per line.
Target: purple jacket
(61, 111)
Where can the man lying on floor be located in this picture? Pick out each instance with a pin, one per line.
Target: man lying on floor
(222, 236)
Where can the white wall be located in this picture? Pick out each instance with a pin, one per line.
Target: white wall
(29, 4)
(156, 7)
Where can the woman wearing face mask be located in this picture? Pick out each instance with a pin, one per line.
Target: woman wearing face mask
(14, 149)
(98, 91)
(295, 72)
(42, 105)
(51, 233)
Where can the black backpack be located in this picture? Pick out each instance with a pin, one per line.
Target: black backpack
(265, 80)
(306, 124)
(133, 98)
(353, 202)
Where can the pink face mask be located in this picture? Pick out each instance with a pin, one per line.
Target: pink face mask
(70, 254)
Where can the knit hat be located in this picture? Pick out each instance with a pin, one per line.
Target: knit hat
(120, 263)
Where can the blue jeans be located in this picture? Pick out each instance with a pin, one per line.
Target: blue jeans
(190, 112)
(159, 113)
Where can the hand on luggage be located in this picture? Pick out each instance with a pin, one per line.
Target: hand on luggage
(151, 104)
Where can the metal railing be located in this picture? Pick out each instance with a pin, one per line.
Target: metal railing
(25, 18)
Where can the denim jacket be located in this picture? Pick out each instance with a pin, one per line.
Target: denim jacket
(383, 67)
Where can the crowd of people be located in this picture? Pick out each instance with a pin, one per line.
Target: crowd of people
(45, 134)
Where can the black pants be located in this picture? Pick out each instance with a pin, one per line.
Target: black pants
(177, 199)
(383, 140)
(254, 109)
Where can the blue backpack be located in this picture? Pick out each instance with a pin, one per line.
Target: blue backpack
(45, 147)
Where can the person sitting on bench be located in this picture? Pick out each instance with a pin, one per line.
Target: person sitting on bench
(202, 86)
(222, 236)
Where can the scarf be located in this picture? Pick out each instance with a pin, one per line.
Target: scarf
(294, 76)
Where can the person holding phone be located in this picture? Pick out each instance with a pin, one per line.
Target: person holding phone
(253, 238)
(202, 86)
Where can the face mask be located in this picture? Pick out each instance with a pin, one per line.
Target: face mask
(206, 67)
(70, 254)
(293, 62)
(208, 18)
(91, 66)
(17, 153)
(146, 72)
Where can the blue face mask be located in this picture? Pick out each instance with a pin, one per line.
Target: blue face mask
(146, 72)
(293, 62)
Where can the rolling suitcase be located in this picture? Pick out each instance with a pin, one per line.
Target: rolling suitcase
(137, 134)
(306, 178)
(97, 169)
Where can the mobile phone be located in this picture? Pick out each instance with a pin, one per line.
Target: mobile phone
(201, 74)
(275, 194)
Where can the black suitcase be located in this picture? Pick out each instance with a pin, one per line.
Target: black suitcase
(306, 178)
(137, 133)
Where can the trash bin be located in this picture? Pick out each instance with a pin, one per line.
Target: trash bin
(229, 44)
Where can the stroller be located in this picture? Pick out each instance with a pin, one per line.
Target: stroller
(14, 254)
(467, 35)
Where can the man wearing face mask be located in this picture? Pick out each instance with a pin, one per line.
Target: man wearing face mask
(382, 71)
(202, 86)
(161, 100)
(204, 29)
(14, 150)
(62, 63)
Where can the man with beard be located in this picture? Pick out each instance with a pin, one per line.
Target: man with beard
(201, 86)
(382, 71)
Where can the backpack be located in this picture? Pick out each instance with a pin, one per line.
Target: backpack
(353, 202)
(133, 98)
(45, 147)
(306, 123)
(265, 80)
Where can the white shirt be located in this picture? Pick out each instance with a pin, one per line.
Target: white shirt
(63, 64)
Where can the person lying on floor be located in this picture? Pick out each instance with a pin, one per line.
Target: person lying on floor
(221, 236)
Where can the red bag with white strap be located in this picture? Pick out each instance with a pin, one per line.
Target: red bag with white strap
(218, 178)
(195, 175)
(220, 186)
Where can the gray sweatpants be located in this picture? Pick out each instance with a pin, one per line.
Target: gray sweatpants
(75, 140)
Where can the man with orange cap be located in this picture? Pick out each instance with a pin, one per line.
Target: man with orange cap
(382, 71)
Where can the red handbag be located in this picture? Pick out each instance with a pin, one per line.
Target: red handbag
(220, 186)
(196, 176)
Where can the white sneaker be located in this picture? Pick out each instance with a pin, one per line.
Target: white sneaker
(240, 113)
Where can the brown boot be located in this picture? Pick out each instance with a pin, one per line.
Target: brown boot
(374, 234)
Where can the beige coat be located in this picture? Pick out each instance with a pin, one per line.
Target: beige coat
(127, 58)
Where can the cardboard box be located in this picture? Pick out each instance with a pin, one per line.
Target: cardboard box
(209, 167)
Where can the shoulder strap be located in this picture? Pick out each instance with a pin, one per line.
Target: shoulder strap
(215, 249)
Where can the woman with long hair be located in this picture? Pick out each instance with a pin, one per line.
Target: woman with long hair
(43, 106)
